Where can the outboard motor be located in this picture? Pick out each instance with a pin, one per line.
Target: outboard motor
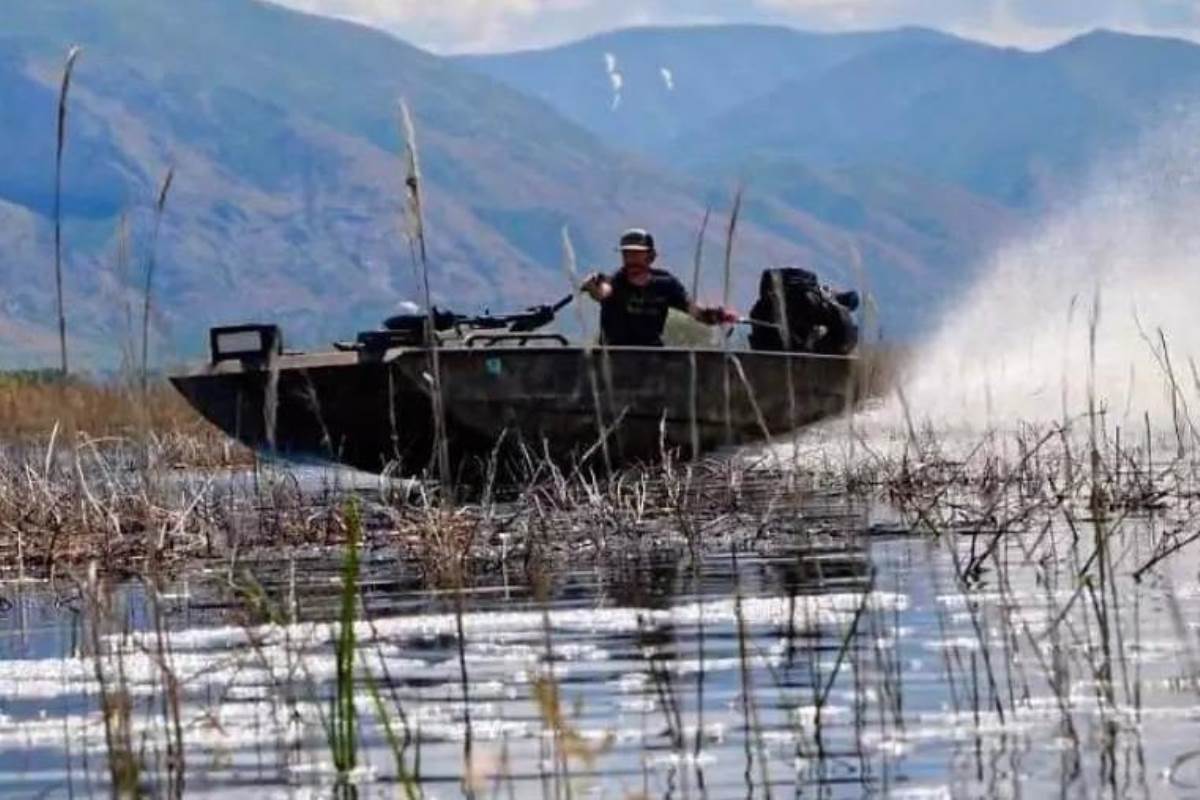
(792, 302)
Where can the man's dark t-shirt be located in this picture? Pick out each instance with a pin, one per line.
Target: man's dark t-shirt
(634, 316)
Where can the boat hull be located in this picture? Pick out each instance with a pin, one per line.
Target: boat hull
(618, 405)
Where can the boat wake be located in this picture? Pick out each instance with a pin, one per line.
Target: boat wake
(1097, 302)
(1091, 308)
(1094, 307)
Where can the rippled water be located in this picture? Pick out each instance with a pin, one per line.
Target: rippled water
(849, 661)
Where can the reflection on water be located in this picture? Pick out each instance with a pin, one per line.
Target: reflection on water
(842, 663)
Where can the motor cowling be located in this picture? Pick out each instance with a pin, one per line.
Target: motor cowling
(797, 314)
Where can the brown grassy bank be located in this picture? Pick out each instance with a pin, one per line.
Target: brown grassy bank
(32, 404)
(34, 408)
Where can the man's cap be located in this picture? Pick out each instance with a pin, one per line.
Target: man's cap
(637, 239)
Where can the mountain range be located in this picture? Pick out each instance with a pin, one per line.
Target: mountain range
(891, 160)
(1007, 124)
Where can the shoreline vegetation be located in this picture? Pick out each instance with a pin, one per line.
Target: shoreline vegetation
(35, 402)
(105, 471)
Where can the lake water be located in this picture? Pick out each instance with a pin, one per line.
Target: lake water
(841, 658)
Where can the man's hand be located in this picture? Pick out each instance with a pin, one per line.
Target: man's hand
(597, 286)
(716, 315)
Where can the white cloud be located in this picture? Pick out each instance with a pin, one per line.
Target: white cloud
(489, 25)
(450, 25)
(1030, 23)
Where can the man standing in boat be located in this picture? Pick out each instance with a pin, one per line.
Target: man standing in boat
(634, 302)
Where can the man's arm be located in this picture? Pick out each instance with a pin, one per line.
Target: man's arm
(598, 287)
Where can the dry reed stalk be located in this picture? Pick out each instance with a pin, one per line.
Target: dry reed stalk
(734, 214)
(151, 258)
(169, 702)
(412, 183)
(860, 376)
(570, 268)
(751, 727)
(124, 279)
(61, 142)
(116, 701)
(698, 257)
(786, 335)
(725, 293)
(396, 743)
(464, 686)
(693, 378)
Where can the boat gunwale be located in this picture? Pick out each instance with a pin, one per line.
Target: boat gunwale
(335, 358)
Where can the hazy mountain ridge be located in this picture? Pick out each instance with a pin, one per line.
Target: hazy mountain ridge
(1008, 124)
(1011, 125)
(287, 201)
(644, 86)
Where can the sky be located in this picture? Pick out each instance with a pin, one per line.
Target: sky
(455, 26)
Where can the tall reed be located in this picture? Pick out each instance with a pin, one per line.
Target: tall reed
(698, 255)
(731, 231)
(61, 142)
(570, 268)
(151, 258)
(412, 183)
(124, 761)
(693, 379)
